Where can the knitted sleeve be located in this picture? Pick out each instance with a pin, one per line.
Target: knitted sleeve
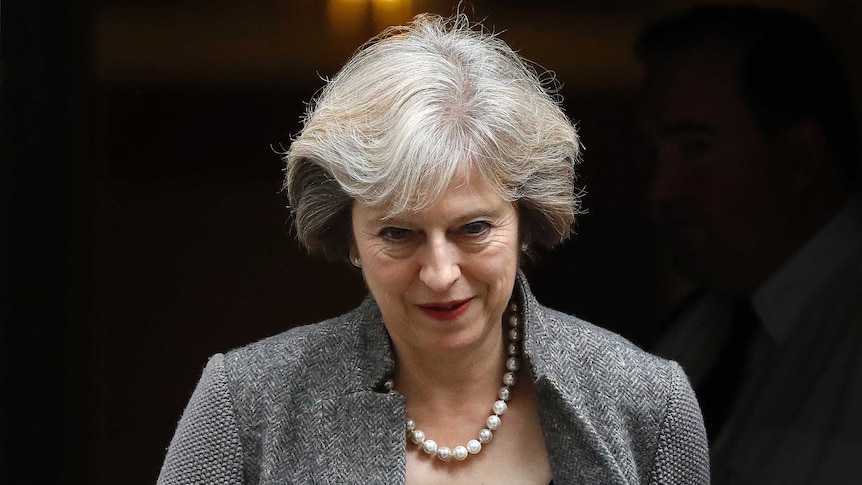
(205, 448)
(682, 456)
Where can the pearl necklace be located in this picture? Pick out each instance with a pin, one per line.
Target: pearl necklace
(474, 446)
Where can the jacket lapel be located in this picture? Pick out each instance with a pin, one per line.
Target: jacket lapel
(361, 439)
(576, 452)
(356, 429)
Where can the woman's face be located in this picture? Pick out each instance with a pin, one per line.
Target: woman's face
(442, 277)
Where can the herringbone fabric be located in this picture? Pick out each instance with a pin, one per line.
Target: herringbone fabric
(307, 407)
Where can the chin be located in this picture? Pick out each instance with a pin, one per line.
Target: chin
(463, 338)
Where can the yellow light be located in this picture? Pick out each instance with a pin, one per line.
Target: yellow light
(385, 13)
(347, 18)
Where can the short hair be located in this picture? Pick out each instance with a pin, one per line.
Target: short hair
(789, 69)
(413, 107)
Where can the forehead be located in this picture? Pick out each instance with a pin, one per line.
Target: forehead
(696, 87)
(468, 192)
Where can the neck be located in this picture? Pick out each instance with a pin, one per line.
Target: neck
(439, 379)
(446, 394)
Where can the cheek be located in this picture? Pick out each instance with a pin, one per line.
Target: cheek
(498, 266)
(387, 278)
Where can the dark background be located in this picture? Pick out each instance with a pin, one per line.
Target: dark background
(141, 224)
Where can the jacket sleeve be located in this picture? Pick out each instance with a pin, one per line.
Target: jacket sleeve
(206, 448)
(682, 456)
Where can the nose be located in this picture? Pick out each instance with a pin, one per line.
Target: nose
(661, 184)
(673, 190)
(440, 265)
(669, 180)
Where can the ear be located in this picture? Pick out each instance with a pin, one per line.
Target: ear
(806, 159)
(353, 254)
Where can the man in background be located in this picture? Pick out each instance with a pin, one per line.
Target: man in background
(756, 191)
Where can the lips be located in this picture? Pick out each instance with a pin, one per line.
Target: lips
(446, 310)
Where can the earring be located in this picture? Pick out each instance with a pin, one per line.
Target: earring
(357, 262)
(524, 247)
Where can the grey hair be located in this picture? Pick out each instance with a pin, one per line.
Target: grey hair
(417, 105)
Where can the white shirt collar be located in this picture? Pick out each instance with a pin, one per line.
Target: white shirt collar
(781, 298)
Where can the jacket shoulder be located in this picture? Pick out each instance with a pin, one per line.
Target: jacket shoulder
(286, 352)
(580, 343)
(270, 380)
(641, 405)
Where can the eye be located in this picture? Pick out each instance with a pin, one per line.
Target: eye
(478, 228)
(649, 152)
(394, 233)
(695, 147)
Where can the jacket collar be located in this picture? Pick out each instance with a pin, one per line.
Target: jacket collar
(556, 347)
(363, 424)
(355, 421)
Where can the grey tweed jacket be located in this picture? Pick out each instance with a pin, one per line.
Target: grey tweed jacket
(306, 407)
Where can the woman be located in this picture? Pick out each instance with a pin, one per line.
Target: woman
(432, 162)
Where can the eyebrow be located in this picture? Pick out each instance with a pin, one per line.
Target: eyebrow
(473, 213)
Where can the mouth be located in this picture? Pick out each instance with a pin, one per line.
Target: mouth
(675, 216)
(691, 235)
(446, 310)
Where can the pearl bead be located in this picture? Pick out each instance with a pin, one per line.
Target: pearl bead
(505, 393)
(417, 436)
(513, 321)
(429, 446)
(444, 453)
(500, 407)
(485, 435)
(509, 379)
(411, 425)
(513, 307)
(473, 447)
(512, 349)
(514, 335)
(493, 422)
(513, 364)
(460, 453)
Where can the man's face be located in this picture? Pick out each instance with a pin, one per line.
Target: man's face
(717, 192)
